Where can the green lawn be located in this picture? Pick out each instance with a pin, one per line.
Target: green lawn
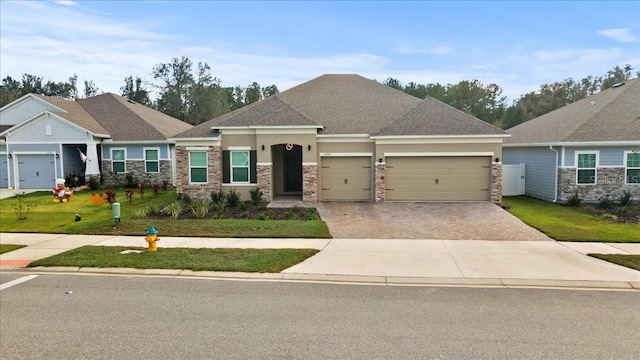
(233, 260)
(50, 217)
(564, 224)
(630, 261)
(8, 247)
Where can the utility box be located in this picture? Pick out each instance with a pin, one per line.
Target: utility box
(115, 212)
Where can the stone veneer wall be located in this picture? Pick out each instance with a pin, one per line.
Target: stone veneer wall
(381, 170)
(265, 176)
(137, 169)
(609, 182)
(309, 183)
(198, 191)
(496, 183)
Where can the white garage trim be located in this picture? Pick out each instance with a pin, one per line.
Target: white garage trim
(328, 154)
(423, 154)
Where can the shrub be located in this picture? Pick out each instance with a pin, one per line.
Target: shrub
(256, 196)
(141, 188)
(128, 193)
(219, 209)
(605, 203)
(289, 214)
(141, 213)
(184, 198)
(94, 183)
(154, 208)
(233, 198)
(242, 206)
(626, 198)
(129, 181)
(110, 195)
(311, 214)
(175, 209)
(217, 196)
(156, 188)
(200, 208)
(73, 180)
(574, 200)
(22, 209)
(165, 185)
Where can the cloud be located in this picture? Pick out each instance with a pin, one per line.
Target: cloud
(66, 2)
(407, 49)
(441, 49)
(621, 35)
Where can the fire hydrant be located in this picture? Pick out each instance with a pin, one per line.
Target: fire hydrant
(152, 238)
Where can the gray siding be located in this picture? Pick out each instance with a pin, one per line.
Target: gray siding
(136, 152)
(4, 173)
(609, 156)
(540, 170)
(60, 132)
(24, 111)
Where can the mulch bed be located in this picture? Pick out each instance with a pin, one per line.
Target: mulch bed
(247, 210)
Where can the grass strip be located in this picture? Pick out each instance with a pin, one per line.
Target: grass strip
(9, 247)
(565, 224)
(233, 260)
(630, 261)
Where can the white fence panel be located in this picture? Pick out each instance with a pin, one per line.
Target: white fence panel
(513, 180)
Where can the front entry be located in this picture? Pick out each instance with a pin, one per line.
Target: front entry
(292, 159)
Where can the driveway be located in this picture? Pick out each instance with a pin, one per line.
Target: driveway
(427, 220)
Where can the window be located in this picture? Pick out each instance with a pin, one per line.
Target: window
(633, 168)
(586, 172)
(239, 166)
(197, 166)
(151, 163)
(118, 157)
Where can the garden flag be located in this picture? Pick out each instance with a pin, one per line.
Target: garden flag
(83, 157)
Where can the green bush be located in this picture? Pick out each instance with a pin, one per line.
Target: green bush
(184, 198)
(129, 181)
(94, 182)
(200, 208)
(233, 198)
(626, 198)
(574, 200)
(175, 209)
(217, 196)
(256, 196)
(605, 203)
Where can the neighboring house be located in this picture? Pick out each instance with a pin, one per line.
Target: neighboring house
(343, 137)
(41, 135)
(590, 147)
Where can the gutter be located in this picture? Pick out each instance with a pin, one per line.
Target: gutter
(555, 192)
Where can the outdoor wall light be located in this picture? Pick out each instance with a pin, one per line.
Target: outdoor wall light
(9, 156)
(380, 160)
(57, 156)
(262, 147)
(309, 147)
(497, 159)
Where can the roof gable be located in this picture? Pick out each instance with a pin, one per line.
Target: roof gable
(610, 115)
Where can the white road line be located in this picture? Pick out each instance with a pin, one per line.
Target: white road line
(17, 281)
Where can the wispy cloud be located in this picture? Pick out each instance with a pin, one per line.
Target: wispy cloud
(621, 35)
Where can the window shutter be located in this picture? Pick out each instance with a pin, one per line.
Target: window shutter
(253, 173)
(226, 167)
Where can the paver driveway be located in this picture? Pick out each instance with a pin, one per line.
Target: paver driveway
(428, 220)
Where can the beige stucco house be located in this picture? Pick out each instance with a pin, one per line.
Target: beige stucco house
(343, 137)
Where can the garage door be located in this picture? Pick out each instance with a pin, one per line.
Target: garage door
(346, 178)
(36, 171)
(438, 178)
(4, 174)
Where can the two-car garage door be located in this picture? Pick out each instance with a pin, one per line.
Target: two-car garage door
(438, 178)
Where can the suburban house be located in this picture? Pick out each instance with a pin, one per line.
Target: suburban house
(590, 147)
(343, 137)
(43, 138)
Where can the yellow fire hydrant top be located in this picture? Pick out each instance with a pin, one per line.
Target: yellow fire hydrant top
(152, 238)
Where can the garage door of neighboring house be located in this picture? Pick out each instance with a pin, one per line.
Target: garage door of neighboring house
(438, 178)
(346, 178)
(36, 171)
(4, 174)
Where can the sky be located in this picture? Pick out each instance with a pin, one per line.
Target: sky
(518, 45)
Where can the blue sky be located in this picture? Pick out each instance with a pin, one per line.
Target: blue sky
(516, 45)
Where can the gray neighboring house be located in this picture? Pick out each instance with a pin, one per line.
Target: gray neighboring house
(41, 135)
(342, 137)
(590, 147)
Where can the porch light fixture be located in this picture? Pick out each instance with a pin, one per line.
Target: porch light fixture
(497, 159)
(380, 160)
(309, 147)
(9, 156)
(262, 147)
(57, 156)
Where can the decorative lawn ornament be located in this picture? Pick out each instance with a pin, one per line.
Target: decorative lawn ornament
(61, 192)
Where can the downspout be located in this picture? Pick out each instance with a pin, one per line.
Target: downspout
(555, 181)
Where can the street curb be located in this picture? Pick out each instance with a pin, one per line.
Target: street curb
(344, 279)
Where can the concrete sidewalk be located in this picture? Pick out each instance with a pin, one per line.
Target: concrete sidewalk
(435, 262)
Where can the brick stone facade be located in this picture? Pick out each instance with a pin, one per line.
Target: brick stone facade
(214, 181)
(381, 170)
(609, 182)
(496, 183)
(137, 169)
(265, 176)
(309, 183)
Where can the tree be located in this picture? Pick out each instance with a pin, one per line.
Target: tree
(175, 78)
(252, 93)
(393, 83)
(133, 90)
(616, 75)
(269, 91)
(90, 89)
(206, 99)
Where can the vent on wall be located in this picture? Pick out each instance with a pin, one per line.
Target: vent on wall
(617, 85)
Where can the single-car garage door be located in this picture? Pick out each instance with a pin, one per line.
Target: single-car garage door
(346, 178)
(36, 171)
(441, 178)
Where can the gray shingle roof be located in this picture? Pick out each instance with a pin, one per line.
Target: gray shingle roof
(350, 104)
(610, 115)
(76, 114)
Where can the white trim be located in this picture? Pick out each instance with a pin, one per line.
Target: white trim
(238, 184)
(16, 167)
(500, 136)
(432, 154)
(144, 155)
(599, 167)
(338, 154)
(626, 168)
(110, 142)
(239, 148)
(206, 166)
(197, 148)
(577, 144)
(439, 140)
(309, 164)
(575, 161)
(264, 164)
(562, 158)
(248, 166)
(287, 131)
(124, 160)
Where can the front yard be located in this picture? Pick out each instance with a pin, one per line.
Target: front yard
(80, 216)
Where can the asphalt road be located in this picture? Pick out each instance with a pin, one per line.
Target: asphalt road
(122, 317)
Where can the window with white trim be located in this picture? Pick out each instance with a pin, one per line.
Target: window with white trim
(239, 166)
(632, 170)
(197, 166)
(118, 160)
(152, 160)
(586, 167)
